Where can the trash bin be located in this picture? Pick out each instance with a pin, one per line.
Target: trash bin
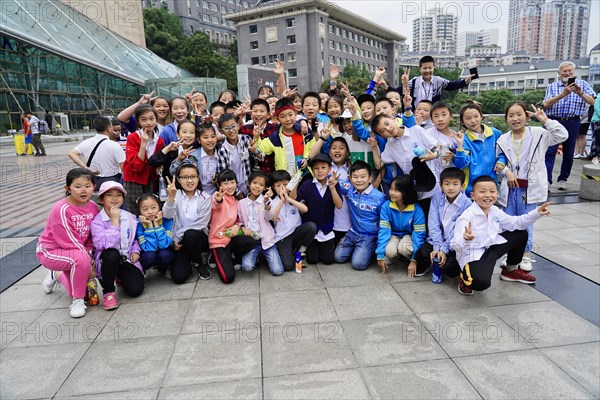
(22, 148)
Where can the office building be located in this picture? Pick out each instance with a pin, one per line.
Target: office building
(435, 32)
(485, 37)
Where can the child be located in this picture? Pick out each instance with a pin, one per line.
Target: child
(65, 245)
(188, 150)
(138, 176)
(208, 157)
(254, 213)
(189, 208)
(154, 235)
(441, 115)
(199, 103)
(223, 235)
(217, 109)
(311, 108)
(401, 227)
(446, 207)
(260, 126)
(423, 114)
(234, 153)
(161, 106)
(340, 163)
(117, 249)
(478, 244)
(476, 151)
(365, 205)
(226, 96)
(521, 158)
(292, 236)
(180, 111)
(322, 197)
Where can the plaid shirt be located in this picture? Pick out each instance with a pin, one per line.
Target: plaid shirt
(267, 164)
(224, 157)
(570, 106)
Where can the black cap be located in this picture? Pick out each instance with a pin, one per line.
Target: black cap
(365, 97)
(421, 176)
(320, 158)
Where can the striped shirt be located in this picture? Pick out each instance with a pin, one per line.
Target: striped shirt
(572, 105)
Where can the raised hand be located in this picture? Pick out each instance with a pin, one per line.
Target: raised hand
(333, 180)
(252, 147)
(268, 195)
(372, 141)
(429, 155)
(345, 90)
(407, 100)
(143, 219)
(289, 91)
(378, 74)
(171, 146)
(468, 234)
(147, 98)
(544, 209)
(185, 153)
(460, 138)
(219, 195)
(144, 138)
(334, 72)
(404, 78)
(326, 131)
(171, 188)
(279, 69)
(159, 216)
(114, 214)
(539, 114)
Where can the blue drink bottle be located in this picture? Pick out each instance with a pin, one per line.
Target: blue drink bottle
(436, 273)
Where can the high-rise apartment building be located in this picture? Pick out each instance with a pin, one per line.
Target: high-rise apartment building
(558, 29)
(485, 37)
(435, 32)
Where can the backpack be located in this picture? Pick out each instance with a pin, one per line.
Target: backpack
(43, 127)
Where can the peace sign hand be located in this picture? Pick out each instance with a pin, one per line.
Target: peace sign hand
(468, 234)
(345, 90)
(544, 209)
(539, 114)
(405, 77)
(219, 195)
(333, 180)
(268, 194)
(171, 189)
(185, 153)
(460, 137)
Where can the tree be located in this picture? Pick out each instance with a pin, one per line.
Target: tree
(533, 97)
(495, 101)
(357, 79)
(164, 34)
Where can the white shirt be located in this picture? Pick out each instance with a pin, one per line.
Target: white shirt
(107, 158)
(320, 236)
(341, 216)
(287, 220)
(187, 210)
(151, 145)
(253, 207)
(208, 169)
(34, 124)
(486, 230)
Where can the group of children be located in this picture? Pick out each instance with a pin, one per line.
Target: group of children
(308, 181)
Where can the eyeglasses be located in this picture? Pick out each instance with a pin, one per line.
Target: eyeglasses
(229, 128)
(189, 178)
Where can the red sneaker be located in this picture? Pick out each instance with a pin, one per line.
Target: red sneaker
(518, 275)
(464, 289)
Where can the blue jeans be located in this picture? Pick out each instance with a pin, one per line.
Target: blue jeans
(516, 206)
(271, 254)
(359, 248)
(568, 149)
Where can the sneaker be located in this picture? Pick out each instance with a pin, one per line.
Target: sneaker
(562, 185)
(595, 161)
(109, 301)
(576, 156)
(203, 272)
(421, 273)
(464, 289)
(525, 264)
(42, 155)
(211, 263)
(49, 283)
(237, 267)
(518, 275)
(77, 308)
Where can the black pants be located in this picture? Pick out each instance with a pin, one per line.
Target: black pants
(425, 205)
(114, 266)
(161, 259)
(478, 274)
(320, 252)
(193, 244)
(338, 236)
(239, 245)
(451, 268)
(302, 236)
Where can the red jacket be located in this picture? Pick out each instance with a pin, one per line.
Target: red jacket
(134, 169)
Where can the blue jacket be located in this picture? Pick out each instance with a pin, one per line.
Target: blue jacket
(478, 157)
(436, 230)
(169, 134)
(394, 222)
(364, 208)
(154, 239)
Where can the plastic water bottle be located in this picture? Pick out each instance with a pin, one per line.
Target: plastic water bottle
(419, 151)
(162, 189)
(296, 178)
(436, 271)
(298, 262)
(256, 235)
(226, 233)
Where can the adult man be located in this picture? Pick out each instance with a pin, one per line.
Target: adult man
(566, 103)
(107, 158)
(49, 120)
(34, 126)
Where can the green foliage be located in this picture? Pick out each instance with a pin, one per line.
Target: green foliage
(164, 34)
(495, 101)
(532, 97)
(498, 123)
(357, 79)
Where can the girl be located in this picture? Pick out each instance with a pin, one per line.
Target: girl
(254, 213)
(138, 176)
(161, 106)
(476, 149)
(189, 207)
(65, 245)
(180, 112)
(154, 235)
(224, 227)
(199, 104)
(402, 226)
(208, 157)
(521, 158)
(265, 91)
(117, 249)
(188, 148)
(340, 164)
(226, 96)
(297, 100)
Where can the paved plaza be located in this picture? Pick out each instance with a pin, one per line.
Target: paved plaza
(330, 332)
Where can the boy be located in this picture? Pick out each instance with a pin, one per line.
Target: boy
(260, 126)
(365, 204)
(291, 235)
(446, 207)
(234, 152)
(322, 197)
(478, 245)
(423, 114)
(290, 147)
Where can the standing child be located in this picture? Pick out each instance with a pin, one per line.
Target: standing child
(260, 126)
(401, 227)
(423, 114)
(479, 245)
(224, 234)
(180, 111)
(188, 150)
(189, 208)
(365, 205)
(441, 115)
(254, 214)
(65, 246)
(154, 235)
(117, 249)
(340, 165)
(208, 157)
(138, 176)
(521, 158)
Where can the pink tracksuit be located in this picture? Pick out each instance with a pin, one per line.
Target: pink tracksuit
(66, 244)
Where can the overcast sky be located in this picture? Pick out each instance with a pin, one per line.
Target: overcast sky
(473, 15)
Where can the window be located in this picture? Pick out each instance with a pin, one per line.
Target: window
(264, 59)
(540, 81)
(291, 39)
(331, 44)
(344, 33)
(215, 19)
(253, 29)
(281, 57)
(272, 58)
(292, 72)
(254, 45)
(223, 10)
(338, 60)
(189, 11)
(205, 5)
(255, 60)
(550, 80)
(191, 28)
(291, 56)
(331, 60)
(331, 29)
(206, 18)
(245, 4)
(345, 48)
(271, 34)
(501, 84)
(213, 7)
(290, 22)
(338, 46)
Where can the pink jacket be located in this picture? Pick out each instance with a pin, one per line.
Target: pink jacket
(264, 216)
(223, 216)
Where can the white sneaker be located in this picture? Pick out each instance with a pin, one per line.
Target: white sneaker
(525, 264)
(595, 161)
(49, 283)
(237, 267)
(562, 185)
(77, 308)
(576, 156)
